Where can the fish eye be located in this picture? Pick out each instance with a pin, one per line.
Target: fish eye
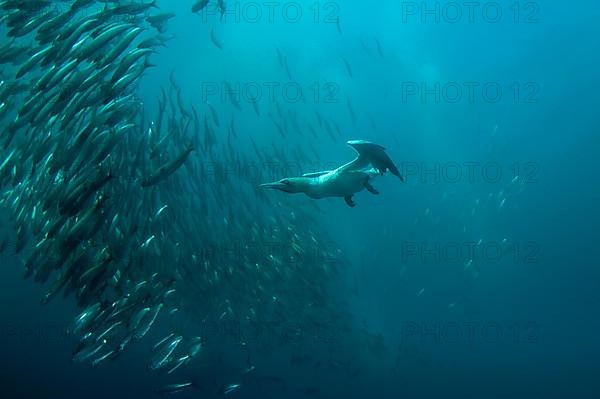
(285, 181)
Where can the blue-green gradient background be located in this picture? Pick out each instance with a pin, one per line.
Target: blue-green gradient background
(550, 298)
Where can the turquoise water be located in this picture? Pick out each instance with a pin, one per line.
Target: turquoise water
(473, 278)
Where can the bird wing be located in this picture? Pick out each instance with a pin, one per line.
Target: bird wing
(317, 174)
(370, 154)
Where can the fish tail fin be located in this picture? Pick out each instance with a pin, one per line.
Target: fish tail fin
(191, 145)
(148, 64)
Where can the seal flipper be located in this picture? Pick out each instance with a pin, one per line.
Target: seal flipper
(349, 201)
(371, 189)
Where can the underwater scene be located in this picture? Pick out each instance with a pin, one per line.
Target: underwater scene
(299, 199)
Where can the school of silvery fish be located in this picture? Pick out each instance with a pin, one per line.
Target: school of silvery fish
(107, 202)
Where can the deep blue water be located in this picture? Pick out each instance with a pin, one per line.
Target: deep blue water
(524, 325)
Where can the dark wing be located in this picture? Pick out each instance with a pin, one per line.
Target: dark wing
(371, 154)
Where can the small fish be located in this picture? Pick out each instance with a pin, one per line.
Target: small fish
(222, 7)
(174, 388)
(379, 50)
(199, 5)
(215, 40)
(280, 58)
(351, 110)
(348, 67)
(249, 369)
(226, 390)
(168, 169)
(160, 211)
(163, 354)
(159, 21)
